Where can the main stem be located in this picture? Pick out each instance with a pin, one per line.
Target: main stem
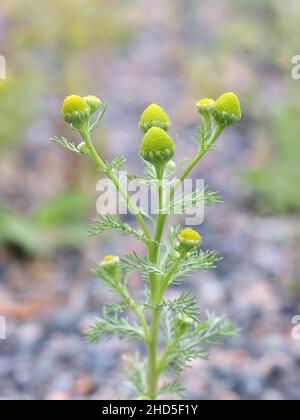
(158, 290)
(154, 257)
(218, 130)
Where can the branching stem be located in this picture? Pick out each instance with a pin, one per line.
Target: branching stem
(158, 285)
(158, 290)
(103, 167)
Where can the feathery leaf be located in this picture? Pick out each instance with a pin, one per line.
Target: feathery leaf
(63, 142)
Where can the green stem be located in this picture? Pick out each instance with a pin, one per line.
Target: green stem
(164, 357)
(154, 257)
(157, 293)
(207, 123)
(168, 277)
(135, 309)
(103, 167)
(152, 354)
(154, 365)
(143, 321)
(189, 168)
(154, 252)
(196, 160)
(153, 378)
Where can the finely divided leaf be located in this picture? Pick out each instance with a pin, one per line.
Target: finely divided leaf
(185, 304)
(172, 388)
(63, 142)
(109, 222)
(113, 326)
(192, 201)
(134, 262)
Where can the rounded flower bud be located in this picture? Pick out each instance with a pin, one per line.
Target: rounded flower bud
(75, 111)
(157, 147)
(182, 324)
(227, 110)
(93, 102)
(154, 116)
(189, 239)
(205, 106)
(111, 264)
(83, 149)
(109, 261)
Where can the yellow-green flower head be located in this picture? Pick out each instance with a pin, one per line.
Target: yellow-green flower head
(157, 147)
(227, 110)
(189, 239)
(154, 116)
(110, 260)
(205, 106)
(75, 111)
(93, 102)
(111, 264)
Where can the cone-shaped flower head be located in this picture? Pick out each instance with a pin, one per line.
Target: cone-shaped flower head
(227, 110)
(75, 111)
(189, 239)
(205, 106)
(157, 147)
(154, 116)
(93, 102)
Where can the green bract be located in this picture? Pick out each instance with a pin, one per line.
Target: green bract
(157, 147)
(154, 116)
(227, 110)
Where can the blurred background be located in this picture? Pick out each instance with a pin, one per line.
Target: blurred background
(134, 52)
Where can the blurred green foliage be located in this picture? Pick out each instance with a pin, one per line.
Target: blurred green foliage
(60, 37)
(275, 180)
(68, 25)
(59, 222)
(17, 108)
(21, 233)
